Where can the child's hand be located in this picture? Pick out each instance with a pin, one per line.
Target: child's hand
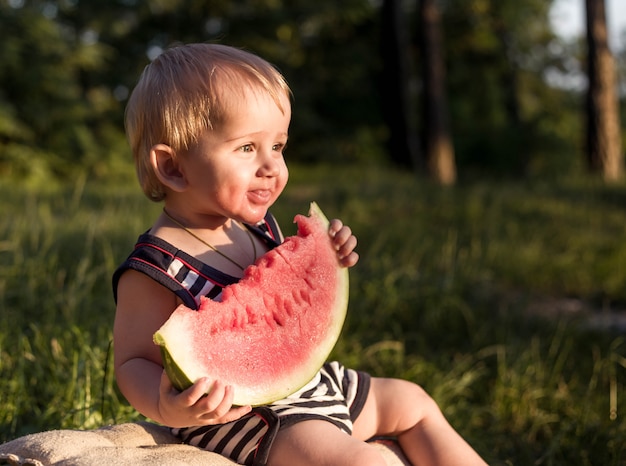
(192, 408)
(344, 242)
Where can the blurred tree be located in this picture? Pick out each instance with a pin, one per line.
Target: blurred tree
(604, 154)
(67, 67)
(438, 148)
(46, 114)
(504, 116)
(397, 80)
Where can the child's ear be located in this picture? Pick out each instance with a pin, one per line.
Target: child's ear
(166, 167)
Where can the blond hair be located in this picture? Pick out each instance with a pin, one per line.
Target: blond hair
(186, 91)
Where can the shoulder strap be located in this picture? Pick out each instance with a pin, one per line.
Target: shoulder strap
(186, 276)
(179, 272)
(268, 230)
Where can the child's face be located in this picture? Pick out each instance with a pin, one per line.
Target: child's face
(238, 171)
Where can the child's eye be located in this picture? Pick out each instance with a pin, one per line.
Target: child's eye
(280, 147)
(246, 148)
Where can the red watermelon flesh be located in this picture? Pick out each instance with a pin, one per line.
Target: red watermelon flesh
(271, 331)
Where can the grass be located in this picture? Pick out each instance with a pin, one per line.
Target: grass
(461, 290)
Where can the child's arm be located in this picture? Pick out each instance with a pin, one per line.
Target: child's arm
(142, 307)
(344, 241)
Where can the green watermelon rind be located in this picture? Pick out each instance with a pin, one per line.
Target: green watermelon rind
(176, 375)
(181, 381)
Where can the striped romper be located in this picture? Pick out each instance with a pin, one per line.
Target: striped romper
(336, 394)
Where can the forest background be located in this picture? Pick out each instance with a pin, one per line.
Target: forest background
(67, 67)
(502, 295)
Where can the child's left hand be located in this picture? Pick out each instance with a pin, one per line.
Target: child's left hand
(344, 242)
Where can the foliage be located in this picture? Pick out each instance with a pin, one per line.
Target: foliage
(70, 66)
(50, 120)
(67, 67)
(505, 116)
(465, 291)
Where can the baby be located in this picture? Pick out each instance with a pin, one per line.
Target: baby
(208, 125)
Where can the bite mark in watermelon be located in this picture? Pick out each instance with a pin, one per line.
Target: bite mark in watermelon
(273, 330)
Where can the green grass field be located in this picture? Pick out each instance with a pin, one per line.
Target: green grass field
(467, 291)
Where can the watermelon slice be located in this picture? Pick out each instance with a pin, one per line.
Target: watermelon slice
(273, 330)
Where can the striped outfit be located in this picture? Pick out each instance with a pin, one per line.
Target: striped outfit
(336, 394)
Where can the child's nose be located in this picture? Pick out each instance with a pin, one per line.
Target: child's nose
(270, 163)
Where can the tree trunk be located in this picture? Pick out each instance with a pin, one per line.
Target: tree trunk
(509, 80)
(438, 148)
(603, 132)
(397, 102)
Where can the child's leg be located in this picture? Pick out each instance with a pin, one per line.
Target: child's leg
(403, 409)
(320, 443)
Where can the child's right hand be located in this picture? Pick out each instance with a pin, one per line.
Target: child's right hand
(193, 407)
